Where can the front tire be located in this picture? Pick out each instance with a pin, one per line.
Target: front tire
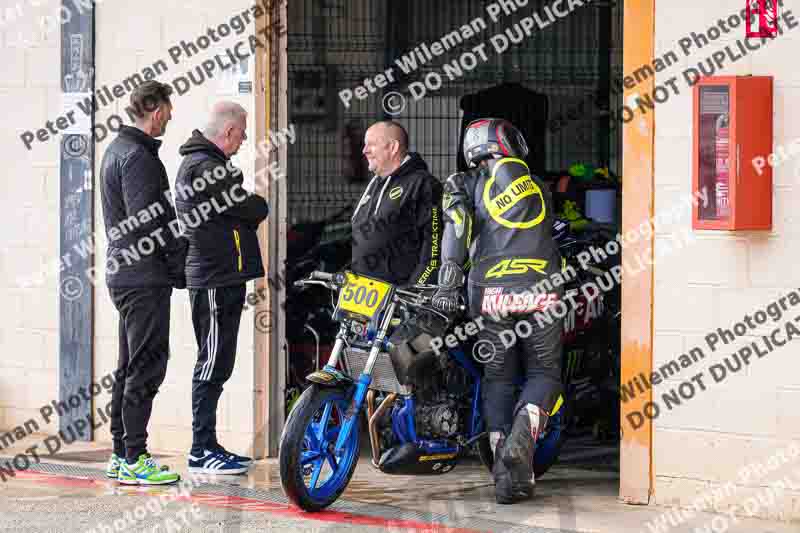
(306, 449)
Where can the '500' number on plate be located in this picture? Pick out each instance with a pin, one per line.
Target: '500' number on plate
(361, 295)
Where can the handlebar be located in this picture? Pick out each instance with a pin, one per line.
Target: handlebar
(317, 277)
(334, 280)
(421, 300)
(324, 276)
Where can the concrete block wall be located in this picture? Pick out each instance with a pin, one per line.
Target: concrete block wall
(720, 277)
(29, 94)
(126, 41)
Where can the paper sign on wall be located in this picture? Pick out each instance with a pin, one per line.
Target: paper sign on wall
(237, 79)
(83, 123)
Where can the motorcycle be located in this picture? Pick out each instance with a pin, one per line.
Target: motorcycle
(591, 340)
(322, 245)
(423, 415)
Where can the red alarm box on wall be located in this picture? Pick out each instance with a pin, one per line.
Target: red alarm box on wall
(732, 139)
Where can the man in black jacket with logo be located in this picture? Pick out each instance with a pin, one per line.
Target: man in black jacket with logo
(144, 262)
(396, 224)
(397, 229)
(220, 220)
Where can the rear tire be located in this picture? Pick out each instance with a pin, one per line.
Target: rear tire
(550, 454)
(485, 453)
(297, 449)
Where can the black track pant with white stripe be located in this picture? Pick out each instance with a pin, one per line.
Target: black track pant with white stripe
(216, 314)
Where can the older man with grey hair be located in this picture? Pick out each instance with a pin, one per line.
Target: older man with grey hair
(220, 220)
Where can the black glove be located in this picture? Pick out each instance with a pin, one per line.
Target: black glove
(447, 300)
(448, 297)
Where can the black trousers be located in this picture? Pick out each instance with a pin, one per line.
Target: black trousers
(142, 364)
(521, 346)
(216, 314)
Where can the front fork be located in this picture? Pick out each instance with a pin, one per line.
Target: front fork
(362, 385)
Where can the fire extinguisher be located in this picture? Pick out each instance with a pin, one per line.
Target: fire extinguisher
(722, 150)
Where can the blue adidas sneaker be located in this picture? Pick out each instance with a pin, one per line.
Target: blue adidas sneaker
(241, 459)
(215, 463)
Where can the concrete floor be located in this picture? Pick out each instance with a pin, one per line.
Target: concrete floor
(69, 494)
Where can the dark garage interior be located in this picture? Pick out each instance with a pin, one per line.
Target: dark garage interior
(555, 85)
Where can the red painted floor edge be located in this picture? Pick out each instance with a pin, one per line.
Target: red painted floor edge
(55, 479)
(254, 505)
(332, 516)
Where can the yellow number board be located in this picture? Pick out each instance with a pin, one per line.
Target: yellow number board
(362, 297)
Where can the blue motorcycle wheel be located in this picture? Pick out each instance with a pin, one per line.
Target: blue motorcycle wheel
(313, 476)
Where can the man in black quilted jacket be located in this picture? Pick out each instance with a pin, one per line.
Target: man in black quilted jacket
(144, 262)
(220, 219)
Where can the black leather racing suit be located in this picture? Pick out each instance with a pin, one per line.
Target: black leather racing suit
(504, 216)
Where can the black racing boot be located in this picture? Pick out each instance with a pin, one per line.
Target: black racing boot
(518, 449)
(522, 487)
(503, 489)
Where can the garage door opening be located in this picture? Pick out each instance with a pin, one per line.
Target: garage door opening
(555, 83)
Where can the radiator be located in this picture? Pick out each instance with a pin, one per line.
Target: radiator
(383, 377)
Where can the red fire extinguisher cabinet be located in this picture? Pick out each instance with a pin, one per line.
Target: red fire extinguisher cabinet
(732, 132)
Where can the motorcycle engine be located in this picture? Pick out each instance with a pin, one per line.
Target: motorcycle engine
(438, 409)
(438, 420)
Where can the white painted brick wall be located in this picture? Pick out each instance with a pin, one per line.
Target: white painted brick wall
(685, 308)
(672, 149)
(39, 69)
(785, 127)
(673, 124)
(665, 346)
(30, 94)
(28, 222)
(734, 304)
(774, 261)
(784, 363)
(671, 266)
(788, 420)
(723, 276)
(14, 67)
(785, 216)
(693, 460)
(728, 257)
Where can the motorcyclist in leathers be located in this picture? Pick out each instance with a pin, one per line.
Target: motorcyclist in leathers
(504, 215)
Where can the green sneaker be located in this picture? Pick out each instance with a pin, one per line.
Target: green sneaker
(112, 468)
(145, 472)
